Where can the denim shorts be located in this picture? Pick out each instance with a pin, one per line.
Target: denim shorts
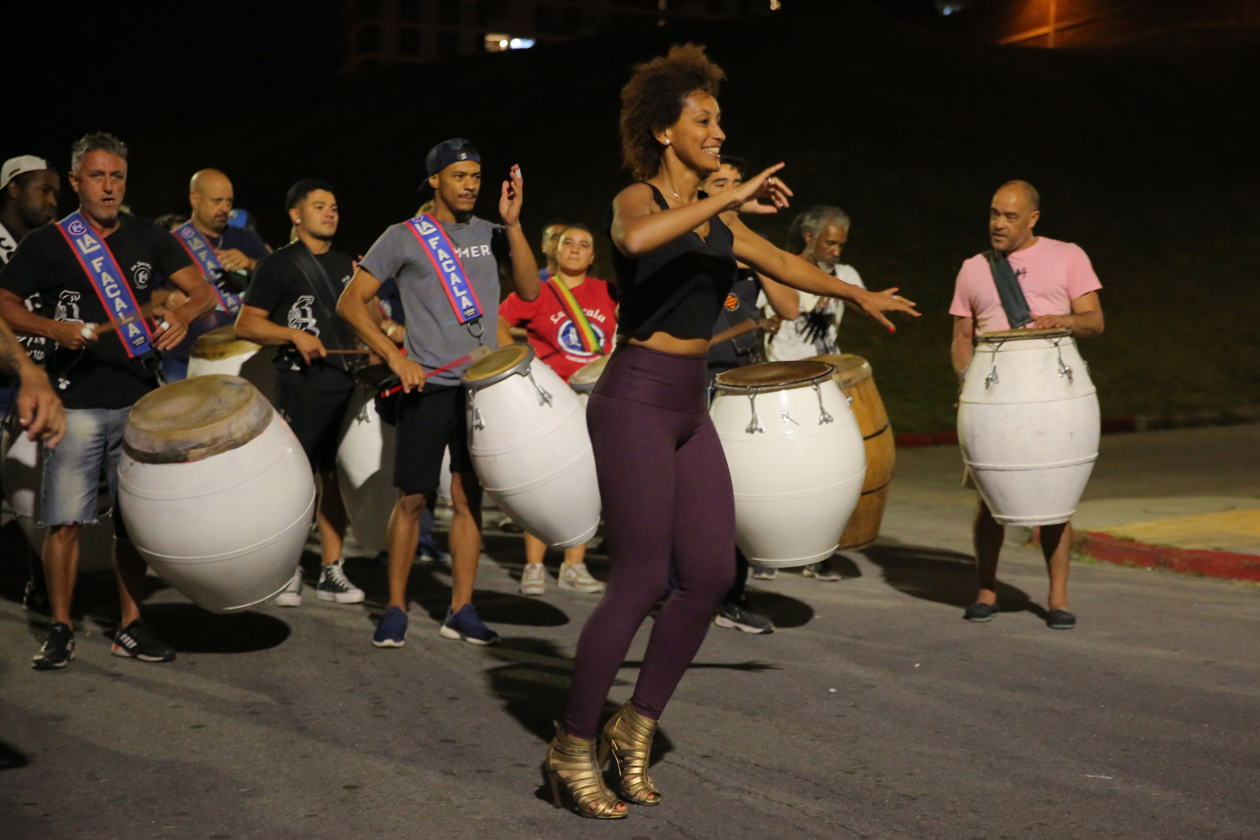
(72, 472)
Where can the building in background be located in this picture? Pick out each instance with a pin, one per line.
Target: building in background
(384, 32)
(1087, 23)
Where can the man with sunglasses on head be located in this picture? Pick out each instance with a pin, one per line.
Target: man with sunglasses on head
(105, 359)
(450, 308)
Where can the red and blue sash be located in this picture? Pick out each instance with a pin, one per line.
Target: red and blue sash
(203, 255)
(446, 262)
(109, 283)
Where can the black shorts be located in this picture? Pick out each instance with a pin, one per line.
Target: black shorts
(429, 421)
(316, 418)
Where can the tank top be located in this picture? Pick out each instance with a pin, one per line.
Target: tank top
(680, 287)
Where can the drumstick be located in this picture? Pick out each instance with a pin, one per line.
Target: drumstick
(349, 352)
(479, 353)
(146, 312)
(733, 332)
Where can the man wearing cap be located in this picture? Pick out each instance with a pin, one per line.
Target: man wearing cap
(29, 189)
(447, 299)
(226, 255)
(103, 359)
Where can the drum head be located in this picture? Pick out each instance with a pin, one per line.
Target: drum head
(850, 369)
(774, 376)
(499, 365)
(194, 419)
(583, 381)
(1023, 335)
(222, 343)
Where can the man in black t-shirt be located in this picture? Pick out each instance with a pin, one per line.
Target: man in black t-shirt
(238, 251)
(292, 303)
(97, 376)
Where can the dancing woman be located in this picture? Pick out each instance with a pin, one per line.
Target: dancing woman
(662, 474)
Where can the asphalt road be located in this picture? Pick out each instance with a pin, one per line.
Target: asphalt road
(875, 711)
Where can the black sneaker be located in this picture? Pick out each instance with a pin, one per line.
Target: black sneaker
(137, 641)
(57, 651)
(1060, 620)
(980, 612)
(35, 598)
(737, 615)
(335, 586)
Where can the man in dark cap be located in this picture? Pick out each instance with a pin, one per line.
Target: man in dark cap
(446, 302)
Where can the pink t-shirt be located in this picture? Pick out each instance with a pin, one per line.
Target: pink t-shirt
(1051, 273)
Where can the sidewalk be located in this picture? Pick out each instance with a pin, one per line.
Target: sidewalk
(1186, 500)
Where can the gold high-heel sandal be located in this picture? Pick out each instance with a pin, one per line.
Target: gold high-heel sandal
(571, 771)
(628, 736)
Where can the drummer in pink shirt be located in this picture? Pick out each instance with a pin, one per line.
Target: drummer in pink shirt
(1061, 289)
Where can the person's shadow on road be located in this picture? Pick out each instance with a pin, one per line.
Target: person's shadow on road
(942, 576)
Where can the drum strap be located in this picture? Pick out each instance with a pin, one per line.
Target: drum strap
(322, 285)
(442, 253)
(203, 255)
(1009, 291)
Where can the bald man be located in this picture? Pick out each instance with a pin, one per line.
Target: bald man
(228, 262)
(1061, 290)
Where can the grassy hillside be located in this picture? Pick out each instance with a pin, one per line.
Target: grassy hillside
(1144, 156)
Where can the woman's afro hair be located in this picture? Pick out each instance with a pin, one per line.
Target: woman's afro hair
(653, 100)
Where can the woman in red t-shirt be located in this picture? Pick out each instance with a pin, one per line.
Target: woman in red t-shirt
(568, 326)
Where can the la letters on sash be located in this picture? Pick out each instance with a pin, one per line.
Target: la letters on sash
(203, 255)
(450, 270)
(109, 283)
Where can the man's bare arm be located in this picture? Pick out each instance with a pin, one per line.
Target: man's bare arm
(960, 347)
(1086, 320)
(39, 409)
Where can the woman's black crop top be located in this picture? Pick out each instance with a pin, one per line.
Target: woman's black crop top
(680, 287)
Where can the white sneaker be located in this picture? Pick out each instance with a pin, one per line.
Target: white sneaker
(534, 579)
(763, 573)
(291, 595)
(576, 577)
(333, 585)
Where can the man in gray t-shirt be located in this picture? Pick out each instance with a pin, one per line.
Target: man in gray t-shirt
(446, 316)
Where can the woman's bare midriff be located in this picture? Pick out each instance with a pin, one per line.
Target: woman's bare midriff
(665, 343)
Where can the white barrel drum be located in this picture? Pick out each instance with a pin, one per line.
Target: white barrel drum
(1028, 425)
(21, 474)
(365, 470)
(796, 456)
(584, 378)
(220, 351)
(530, 448)
(215, 490)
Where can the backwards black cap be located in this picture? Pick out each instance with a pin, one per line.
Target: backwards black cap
(447, 152)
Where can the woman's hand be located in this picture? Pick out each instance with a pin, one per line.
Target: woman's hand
(762, 194)
(874, 304)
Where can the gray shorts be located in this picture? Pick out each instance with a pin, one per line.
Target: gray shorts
(73, 471)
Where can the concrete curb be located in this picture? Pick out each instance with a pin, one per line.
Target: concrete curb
(1110, 425)
(1217, 564)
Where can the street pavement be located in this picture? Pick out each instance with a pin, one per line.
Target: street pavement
(874, 711)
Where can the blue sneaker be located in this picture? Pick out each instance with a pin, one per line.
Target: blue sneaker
(392, 631)
(467, 625)
(427, 551)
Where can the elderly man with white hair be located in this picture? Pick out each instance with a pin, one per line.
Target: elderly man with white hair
(821, 234)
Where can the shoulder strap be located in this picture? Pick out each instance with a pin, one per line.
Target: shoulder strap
(1009, 291)
(569, 304)
(322, 285)
(660, 197)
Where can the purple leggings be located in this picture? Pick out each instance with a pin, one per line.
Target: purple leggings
(667, 499)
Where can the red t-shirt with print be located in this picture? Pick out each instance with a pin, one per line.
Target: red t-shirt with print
(552, 333)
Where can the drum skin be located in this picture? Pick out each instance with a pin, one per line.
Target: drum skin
(534, 458)
(365, 471)
(21, 476)
(798, 481)
(584, 380)
(854, 376)
(1028, 430)
(226, 530)
(220, 351)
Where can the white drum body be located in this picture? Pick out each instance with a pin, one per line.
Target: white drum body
(797, 476)
(365, 471)
(229, 365)
(530, 448)
(21, 474)
(1028, 426)
(227, 531)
